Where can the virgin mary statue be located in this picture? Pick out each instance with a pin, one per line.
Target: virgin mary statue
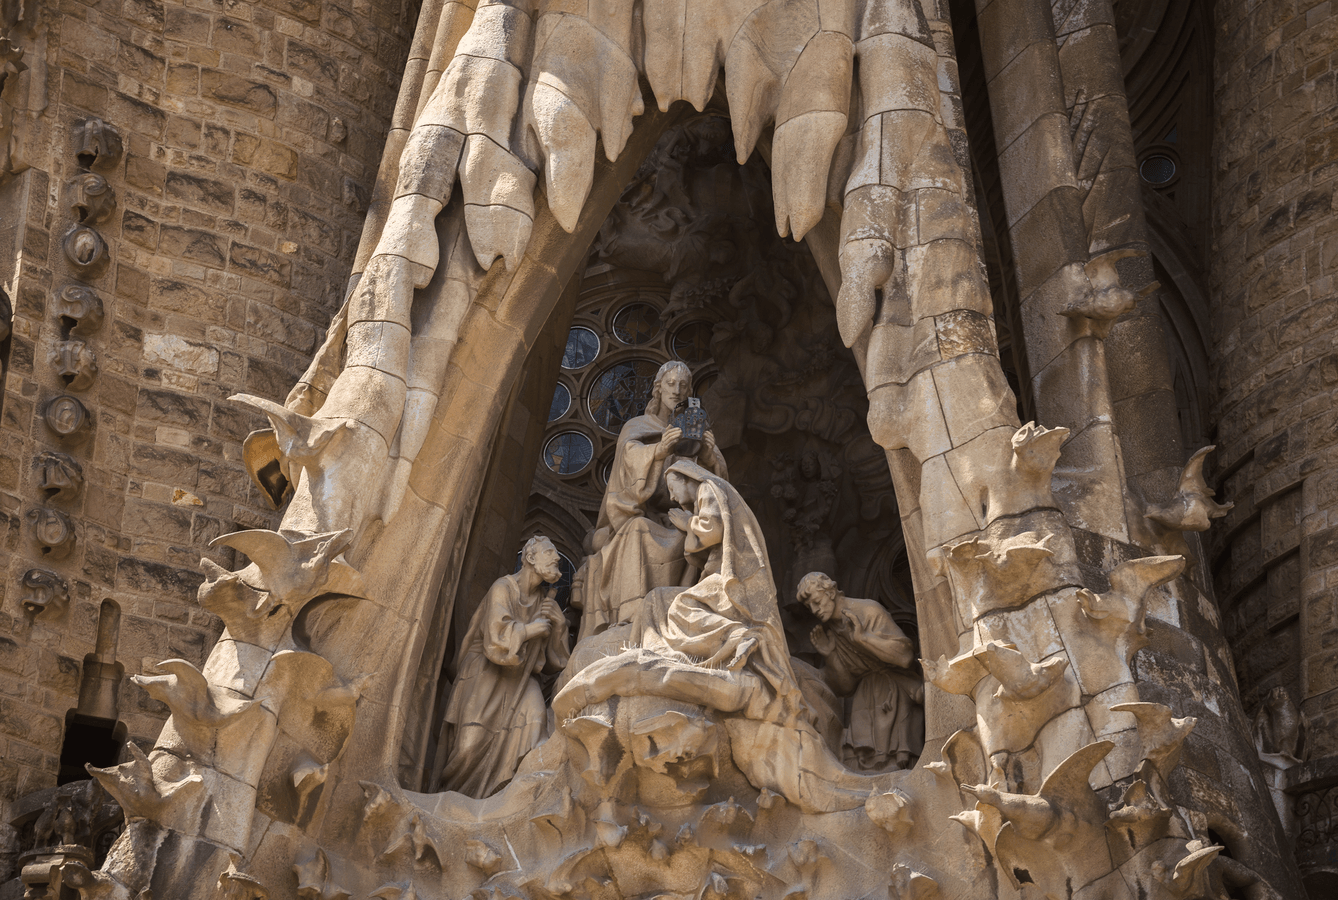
(729, 619)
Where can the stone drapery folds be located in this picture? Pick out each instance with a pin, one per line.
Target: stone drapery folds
(641, 789)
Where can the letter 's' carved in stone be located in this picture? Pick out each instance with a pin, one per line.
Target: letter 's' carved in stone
(43, 593)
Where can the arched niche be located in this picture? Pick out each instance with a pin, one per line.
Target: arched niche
(689, 237)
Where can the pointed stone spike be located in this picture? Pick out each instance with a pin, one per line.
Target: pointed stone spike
(752, 89)
(662, 58)
(963, 753)
(1130, 582)
(956, 676)
(1036, 449)
(908, 884)
(1019, 678)
(298, 570)
(867, 266)
(132, 785)
(499, 201)
(801, 160)
(568, 141)
(1192, 508)
(1186, 874)
(972, 820)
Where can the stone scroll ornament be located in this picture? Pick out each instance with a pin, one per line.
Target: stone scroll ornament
(286, 756)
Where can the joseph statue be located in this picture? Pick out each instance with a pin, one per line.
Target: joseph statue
(497, 713)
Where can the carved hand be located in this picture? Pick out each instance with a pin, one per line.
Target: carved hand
(823, 640)
(550, 611)
(708, 447)
(668, 441)
(538, 629)
(680, 519)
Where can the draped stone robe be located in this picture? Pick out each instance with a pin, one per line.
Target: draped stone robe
(497, 713)
(733, 603)
(866, 665)
(634, 547)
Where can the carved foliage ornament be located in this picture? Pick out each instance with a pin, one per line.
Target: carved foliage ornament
(75, 363)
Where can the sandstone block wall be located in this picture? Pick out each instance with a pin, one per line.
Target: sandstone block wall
(252, 133)
(1275, 241)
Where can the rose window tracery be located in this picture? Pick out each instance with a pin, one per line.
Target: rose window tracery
(620, 335)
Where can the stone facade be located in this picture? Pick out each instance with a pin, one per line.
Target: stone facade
(249, 137)
(209, 239)
(1274, 334)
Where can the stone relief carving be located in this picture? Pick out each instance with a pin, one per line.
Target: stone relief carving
(53, 530)
(496, 713)
(86, 251)
(73, 823)
(865, 657)
(43, 593)
(67, 418)
(97, 144)
(79, 311)
(634, 549)
(92, 199)
(60, 477)
(75, 364)
(685, 758)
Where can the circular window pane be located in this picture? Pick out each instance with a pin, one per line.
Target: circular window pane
(582, 348)
(620, 393)
(636, 324)
(1157, 169)
(561, 402)
(568, 453)
(692, 343)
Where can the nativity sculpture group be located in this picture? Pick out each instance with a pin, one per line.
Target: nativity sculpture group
(686, 759)
(679, 569)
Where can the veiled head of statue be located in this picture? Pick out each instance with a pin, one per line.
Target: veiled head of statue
(673, 384)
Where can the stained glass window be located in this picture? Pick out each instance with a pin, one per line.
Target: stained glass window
(620, 392)
(582, 348)
(636, 323)
(561, 402)
(568, 453)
